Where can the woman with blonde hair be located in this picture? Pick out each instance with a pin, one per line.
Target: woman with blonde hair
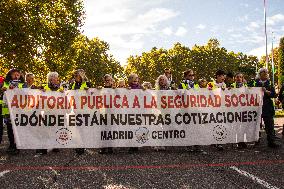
(147, 85)
(162, 83)
(80, 80)
(121, 83)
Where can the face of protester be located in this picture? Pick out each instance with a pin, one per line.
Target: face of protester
(54, 81)
(135, 81)
(220, 78)
(30, 80)
(77, 78)
(168, 74)
(108, 81)
(190, 76)
(147, 86)
(239, 78)
(229, 79)
(121, 84)
(162, 81)
(263, 76)
(15, 75)
(203, 84)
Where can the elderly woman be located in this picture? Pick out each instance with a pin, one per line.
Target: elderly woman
(162, 83)
(53, 82)
(121, 83)
(108, 84)
(147, 85)
(133, 83)
(80, 82)
(30, 79)
(268, 112)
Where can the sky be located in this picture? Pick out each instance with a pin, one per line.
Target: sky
(135, 26)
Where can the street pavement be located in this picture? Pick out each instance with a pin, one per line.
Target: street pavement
(176, 167)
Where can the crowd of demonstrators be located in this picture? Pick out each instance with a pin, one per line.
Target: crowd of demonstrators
(79, 81)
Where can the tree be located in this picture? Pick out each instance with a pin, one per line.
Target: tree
(35, 35)
(262, 63)
(281, 62)
(205, 60)
(92, 56)
(43, 36)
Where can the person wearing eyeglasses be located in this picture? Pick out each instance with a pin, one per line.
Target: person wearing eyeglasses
(188, 82)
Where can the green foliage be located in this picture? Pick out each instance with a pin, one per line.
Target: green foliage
(91, 55)
(42, 36)
(204, 60)
(281, 62)
(262, 63)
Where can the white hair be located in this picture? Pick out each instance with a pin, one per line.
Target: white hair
(29, 75)
(52, 75)
(261, 70)
(147, 85)
(157, 83)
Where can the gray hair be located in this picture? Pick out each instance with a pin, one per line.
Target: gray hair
(51, 75)
(82, 74)
(147, 85)
(261, 70)
(28, 75)
(157, 83)
(108, 75)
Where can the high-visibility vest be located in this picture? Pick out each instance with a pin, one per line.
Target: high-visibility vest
(234, 85)
(185, 86)
(82, 87)
(5, 109)
(46, 88)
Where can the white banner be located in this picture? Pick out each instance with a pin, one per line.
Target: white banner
(133, 118)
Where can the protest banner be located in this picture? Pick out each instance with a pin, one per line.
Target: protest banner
(133, 118)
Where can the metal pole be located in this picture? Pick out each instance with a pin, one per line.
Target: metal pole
(265, 33)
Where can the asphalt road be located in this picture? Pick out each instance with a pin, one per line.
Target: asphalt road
(176, 167)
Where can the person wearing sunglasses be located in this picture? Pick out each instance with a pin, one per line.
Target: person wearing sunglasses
(188, 81)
